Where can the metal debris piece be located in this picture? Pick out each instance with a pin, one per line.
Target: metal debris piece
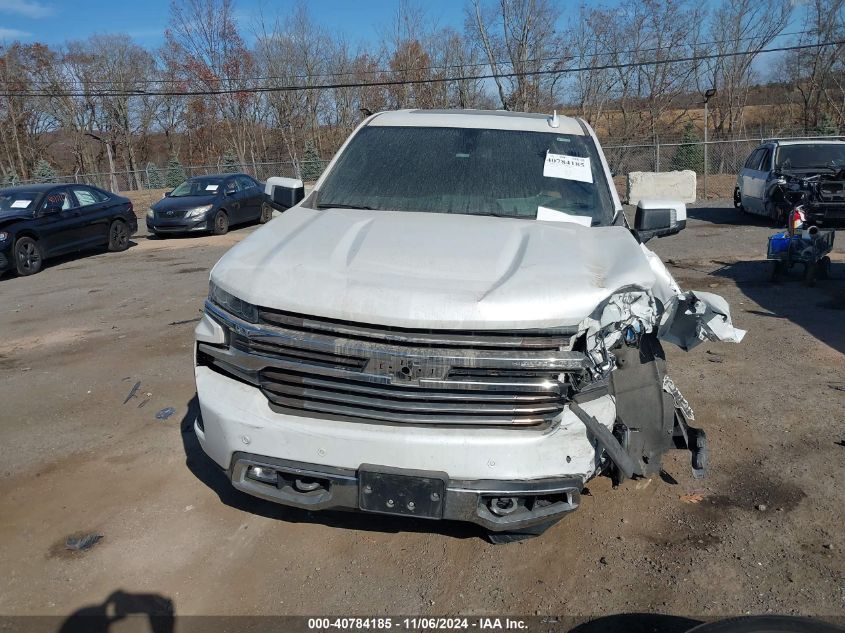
(165, 413)
(133, 392)
(680, 402)
(183, 322)
(84, 542)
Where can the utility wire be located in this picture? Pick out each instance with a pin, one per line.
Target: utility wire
(384, 71)
(406, 82)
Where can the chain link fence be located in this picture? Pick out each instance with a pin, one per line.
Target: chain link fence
(723, 157)
(170, 176)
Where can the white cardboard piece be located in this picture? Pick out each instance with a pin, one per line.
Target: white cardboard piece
(567, 167)
(552, 215)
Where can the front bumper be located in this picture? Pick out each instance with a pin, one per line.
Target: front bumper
(479, 462)
(819, 213)
(338, 488)
(178, 225)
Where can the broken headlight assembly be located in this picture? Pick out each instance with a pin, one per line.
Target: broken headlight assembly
(231, 304)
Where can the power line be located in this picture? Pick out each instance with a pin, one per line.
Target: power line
(384, 71)
(405, 82)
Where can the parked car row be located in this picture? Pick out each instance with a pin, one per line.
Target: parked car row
(41, 221)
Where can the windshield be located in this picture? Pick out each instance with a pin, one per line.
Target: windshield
(20, 201)
(197, 187)
(542, 175)
(810, 156)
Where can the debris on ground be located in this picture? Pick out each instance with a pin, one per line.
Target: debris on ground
(184, 322)
(693, 497)
(83, 543)
(165, 413)
(762, 507)
(133, 392)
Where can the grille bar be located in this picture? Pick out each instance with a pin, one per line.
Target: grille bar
(320, 367)
(518, 340)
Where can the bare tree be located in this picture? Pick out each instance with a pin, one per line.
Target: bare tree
(518, 37)
(813, 71)
(745, 27)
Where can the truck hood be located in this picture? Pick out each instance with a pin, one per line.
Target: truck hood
(433, 270)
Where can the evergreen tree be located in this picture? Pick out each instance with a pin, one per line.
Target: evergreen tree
(44, 172)
(311, 166)
(826, 127)
(230, 163)
(175, 173)
(10, 178)
(154, 177)
(690, 153)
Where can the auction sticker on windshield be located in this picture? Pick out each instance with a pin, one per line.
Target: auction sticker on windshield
(20, 204)
(567, 167)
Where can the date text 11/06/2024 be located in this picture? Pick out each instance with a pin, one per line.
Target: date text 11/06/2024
(417, 624)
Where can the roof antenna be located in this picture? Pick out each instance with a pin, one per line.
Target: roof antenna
(553, 120)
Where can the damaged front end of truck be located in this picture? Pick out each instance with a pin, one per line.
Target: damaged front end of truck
(622, 339)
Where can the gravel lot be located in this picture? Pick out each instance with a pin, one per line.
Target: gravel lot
(761, 534)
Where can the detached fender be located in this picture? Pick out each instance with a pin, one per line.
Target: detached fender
(690, 317)
(697, 316)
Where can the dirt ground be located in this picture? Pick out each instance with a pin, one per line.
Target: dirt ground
(761, 534)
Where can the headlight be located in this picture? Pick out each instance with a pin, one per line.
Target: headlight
(232, 304)
(198, 211)
(4, 235)
(150, 214)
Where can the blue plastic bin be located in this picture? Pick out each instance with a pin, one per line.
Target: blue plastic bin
(779, 244)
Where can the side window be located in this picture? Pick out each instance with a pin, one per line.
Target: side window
(765, 160)
(85, 196)
(58, 198)
(246, 183)
(753, 160)
(230, 186)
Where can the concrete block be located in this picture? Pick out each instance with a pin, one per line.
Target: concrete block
(675, 185)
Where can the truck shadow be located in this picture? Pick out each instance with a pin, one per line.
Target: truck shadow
(818, 310)
(210, 474)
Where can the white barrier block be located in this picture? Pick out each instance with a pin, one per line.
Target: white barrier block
(675, 185)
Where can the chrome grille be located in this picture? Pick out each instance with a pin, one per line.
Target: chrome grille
(324, 368)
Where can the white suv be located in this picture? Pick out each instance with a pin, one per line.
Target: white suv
(456, 323)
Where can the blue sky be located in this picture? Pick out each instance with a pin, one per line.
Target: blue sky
(56, 21)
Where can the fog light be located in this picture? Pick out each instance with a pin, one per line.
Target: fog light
(262, 474)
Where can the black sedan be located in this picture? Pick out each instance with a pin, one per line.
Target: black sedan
(209, 203)
(41, 221)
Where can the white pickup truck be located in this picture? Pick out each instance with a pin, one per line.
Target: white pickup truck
(456, 323)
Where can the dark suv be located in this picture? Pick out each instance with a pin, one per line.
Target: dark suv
(41, 221)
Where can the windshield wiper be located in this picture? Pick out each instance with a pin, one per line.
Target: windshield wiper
(328, 205)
